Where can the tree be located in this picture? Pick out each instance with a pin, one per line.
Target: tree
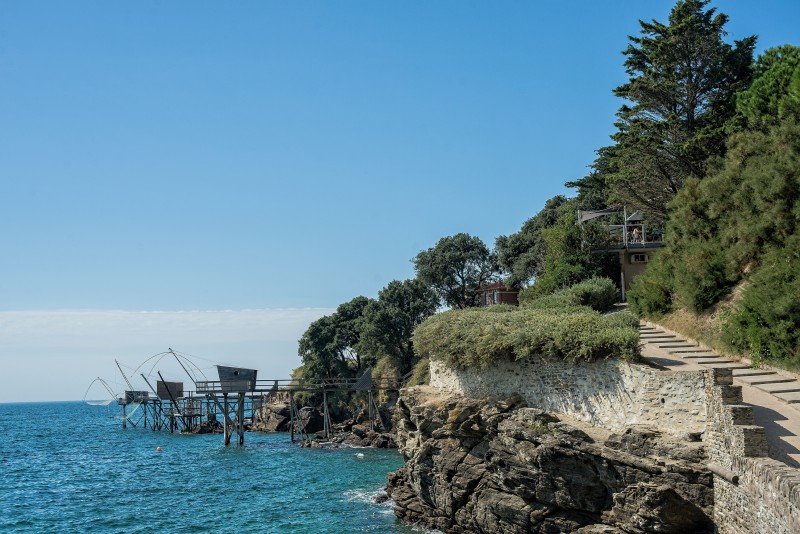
(329, 346)
(683, 78)
(567, 253)
(456, 268)
(389, 321)
(521, 254)
(348, 324)
(774, 94)
(317, 348)
(722, 227)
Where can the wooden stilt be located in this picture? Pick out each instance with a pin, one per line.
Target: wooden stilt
(226, 422)
(326, 430)
(291, 415)
(369, 411)
(240, 418)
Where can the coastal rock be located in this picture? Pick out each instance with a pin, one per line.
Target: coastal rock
(273, 417)
(473, 466)
(208, 426)
(276, 417)
(310, 420)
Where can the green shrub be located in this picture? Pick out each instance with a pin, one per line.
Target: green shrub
(766, 322)
(421, 374)
(622, 319)
(476, 337)
(702, 279)
(501, 308)
(650, 294)
(561, 299)
(598, 293)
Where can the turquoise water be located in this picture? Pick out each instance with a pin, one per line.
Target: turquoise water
(69, 467)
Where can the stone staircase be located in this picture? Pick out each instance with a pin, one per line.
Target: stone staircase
(783, 388)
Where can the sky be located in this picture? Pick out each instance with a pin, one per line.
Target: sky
(213, 176)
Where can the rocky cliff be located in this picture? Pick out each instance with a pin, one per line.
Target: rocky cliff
(479, 467)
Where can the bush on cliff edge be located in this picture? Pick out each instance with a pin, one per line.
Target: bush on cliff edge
(598, 293)
(478, 337)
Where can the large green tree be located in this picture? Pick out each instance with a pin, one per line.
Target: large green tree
(456, 267)
(389, 321)
(521, 254)
(330, 345)
(570, 252)
(683, 78)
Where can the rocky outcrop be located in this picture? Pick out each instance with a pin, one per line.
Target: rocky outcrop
(357, 432)
(473, 466)
(273, 417)
(276, 417)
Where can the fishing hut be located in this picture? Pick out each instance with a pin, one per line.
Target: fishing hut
(234, 384)
(236, 394)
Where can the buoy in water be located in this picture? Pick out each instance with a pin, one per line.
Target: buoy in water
(360, 455)
(158, 449)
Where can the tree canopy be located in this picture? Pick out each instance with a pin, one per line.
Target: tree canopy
(389, 321)
(522, 253)
(330, 345)
(774, 94)
(456, 267)
(683, 78)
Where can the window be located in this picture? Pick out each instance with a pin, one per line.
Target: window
(639, 258)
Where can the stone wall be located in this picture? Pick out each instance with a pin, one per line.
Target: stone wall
(752, 493)
(608, 394)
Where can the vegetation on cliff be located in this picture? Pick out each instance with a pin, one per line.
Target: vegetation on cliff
(562, 325)
(739, 226)
(707, 143)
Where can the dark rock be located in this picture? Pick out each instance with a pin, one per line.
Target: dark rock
(503, 467)
(208, 426)
(273, 417)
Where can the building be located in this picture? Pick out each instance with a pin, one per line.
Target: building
(633, 241)
(497, 293)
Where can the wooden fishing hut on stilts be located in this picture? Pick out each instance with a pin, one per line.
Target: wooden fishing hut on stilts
(237, 394)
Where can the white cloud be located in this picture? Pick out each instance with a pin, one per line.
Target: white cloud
(67, 349)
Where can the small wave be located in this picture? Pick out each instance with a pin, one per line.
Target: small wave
(367, 496)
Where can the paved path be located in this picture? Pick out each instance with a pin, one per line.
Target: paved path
(774, 395)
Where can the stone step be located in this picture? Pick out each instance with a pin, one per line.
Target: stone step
(723, 365)
(689, 351)
(716, 361)
(665, 337)
(792, 443)
(792, 397)
(780, 387)
(764, 379)
(700, 356)
(752, 372)
(678, 345)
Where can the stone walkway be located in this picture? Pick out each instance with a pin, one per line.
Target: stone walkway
(774, 395)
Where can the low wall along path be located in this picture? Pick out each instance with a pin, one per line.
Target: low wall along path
(692, 394)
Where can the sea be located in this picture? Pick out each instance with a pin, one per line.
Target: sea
(71, 467)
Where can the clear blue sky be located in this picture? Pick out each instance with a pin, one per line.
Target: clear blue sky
(205, 156)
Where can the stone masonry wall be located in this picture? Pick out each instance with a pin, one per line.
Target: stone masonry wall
(752, 493)
(609, 394)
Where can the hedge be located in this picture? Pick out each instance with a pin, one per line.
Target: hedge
(477, 337)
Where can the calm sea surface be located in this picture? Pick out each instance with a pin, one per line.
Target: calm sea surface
(69, 467)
